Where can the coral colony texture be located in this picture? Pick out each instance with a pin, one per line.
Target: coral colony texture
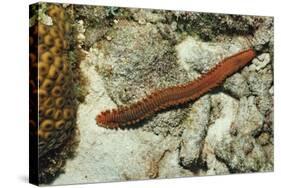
(123, 94)
(52, 80)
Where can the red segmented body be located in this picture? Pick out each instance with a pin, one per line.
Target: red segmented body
(171, 96)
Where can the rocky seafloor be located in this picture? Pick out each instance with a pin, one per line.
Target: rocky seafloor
(131, 52)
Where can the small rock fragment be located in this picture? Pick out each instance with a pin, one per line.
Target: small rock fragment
(237, 86)
(261, 61)
(194, 133)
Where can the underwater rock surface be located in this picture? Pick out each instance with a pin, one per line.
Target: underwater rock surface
(228, 130)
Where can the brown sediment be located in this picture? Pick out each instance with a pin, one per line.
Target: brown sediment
(175, 95)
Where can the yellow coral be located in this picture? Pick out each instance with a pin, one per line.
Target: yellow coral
(56, 116)
(53, 108)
